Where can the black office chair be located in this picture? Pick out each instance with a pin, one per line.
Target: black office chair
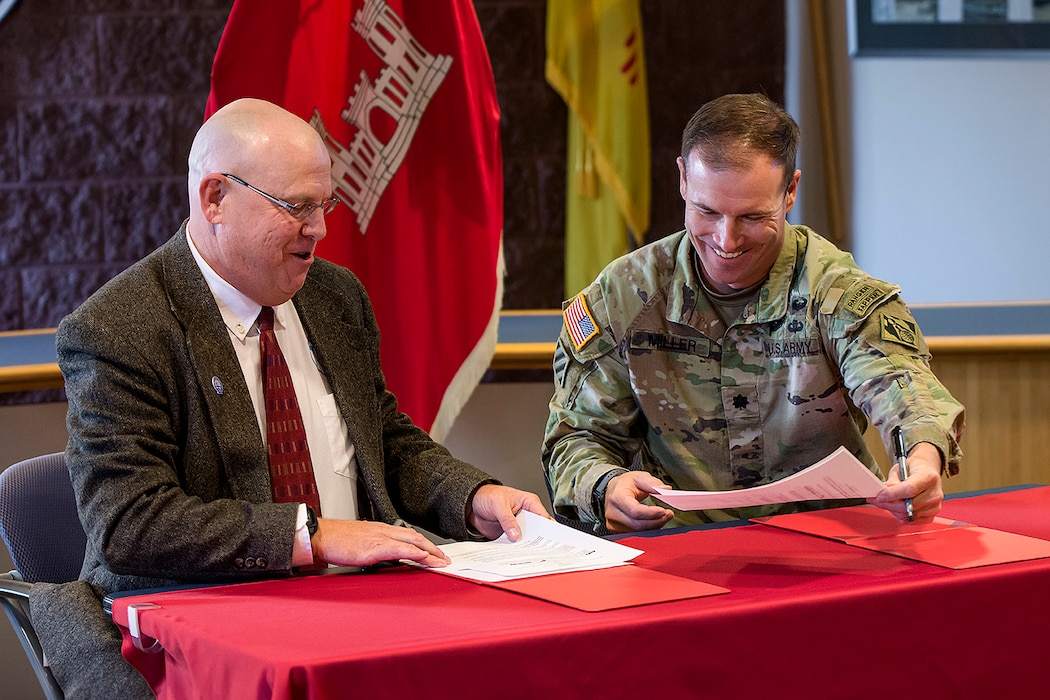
(40, 526)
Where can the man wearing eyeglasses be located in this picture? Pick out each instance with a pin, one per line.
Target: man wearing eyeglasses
(169, 419)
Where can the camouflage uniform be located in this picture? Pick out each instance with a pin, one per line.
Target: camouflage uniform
(654, 374)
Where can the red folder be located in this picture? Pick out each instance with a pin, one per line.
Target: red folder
(949, 543)
(595, 590)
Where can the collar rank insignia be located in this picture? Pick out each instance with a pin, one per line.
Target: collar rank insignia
(579, 322)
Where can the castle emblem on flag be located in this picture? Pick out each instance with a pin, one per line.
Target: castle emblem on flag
(362, 171)
(579, 322)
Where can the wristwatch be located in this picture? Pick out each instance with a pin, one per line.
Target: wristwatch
(598, 494)
(311, 521)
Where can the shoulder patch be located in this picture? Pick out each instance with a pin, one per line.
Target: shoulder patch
(860, 297)
(579, 322)
(899, 330)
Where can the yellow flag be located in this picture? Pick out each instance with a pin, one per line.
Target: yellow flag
(596, 62)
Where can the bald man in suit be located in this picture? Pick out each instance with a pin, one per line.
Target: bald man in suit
(167, 448)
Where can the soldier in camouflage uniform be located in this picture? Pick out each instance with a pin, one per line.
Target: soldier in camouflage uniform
(738, 351)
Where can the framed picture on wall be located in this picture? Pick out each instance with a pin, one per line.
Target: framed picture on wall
(913, 27)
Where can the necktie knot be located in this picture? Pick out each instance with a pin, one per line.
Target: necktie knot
(265, 320)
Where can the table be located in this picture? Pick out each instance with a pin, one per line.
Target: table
(805, 617)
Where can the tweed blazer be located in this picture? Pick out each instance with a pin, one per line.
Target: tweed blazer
(168, 464)
(165, 453)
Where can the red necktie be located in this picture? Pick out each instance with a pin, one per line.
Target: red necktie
(291, 472)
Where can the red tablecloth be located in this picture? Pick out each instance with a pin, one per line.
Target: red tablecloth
(805, 617)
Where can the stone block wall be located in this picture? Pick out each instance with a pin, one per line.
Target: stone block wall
(99, 100)
(98, 103)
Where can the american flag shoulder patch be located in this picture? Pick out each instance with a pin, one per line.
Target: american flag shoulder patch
(579, 322)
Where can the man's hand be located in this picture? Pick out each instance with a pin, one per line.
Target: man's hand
(363, 543)
(493, 509)
(624, 511)
(923, 486)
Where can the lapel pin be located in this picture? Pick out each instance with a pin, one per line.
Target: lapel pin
(217, 385)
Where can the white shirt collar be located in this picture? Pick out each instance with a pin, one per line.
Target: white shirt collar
(238, 311)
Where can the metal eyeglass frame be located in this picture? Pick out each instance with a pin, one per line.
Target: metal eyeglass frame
(298, 211)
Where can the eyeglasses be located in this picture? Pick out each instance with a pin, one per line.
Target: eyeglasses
(298, 211)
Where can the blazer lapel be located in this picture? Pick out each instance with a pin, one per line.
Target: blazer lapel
(218, 374)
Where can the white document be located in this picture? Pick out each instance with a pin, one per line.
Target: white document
(545, 547)
(839, 475)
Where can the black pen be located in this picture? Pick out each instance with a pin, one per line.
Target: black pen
(902, 464)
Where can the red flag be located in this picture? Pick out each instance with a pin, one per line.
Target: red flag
(403, 93)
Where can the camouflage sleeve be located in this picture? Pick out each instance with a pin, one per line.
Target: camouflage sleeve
(590, 431)
(885, 365)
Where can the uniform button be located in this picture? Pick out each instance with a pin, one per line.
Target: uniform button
(249, 563)
(239, 562)
(262, 563)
